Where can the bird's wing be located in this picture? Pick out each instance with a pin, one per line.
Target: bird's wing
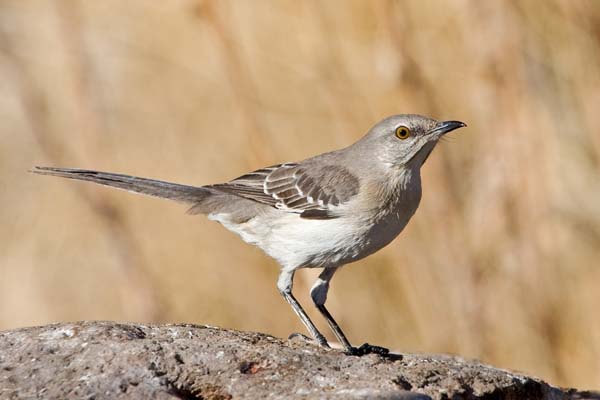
(312, 191)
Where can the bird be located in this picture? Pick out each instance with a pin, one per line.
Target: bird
(322, 212)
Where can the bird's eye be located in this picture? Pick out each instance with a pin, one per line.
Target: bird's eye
(402, 132)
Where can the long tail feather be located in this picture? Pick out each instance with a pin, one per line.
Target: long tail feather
(151, 187)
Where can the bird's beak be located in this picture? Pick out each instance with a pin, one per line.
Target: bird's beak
(433, 135)
(446, 126)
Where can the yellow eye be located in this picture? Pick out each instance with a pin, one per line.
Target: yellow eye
(402, 132)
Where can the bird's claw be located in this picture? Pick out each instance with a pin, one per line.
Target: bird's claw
(319, 341)
(368, 349)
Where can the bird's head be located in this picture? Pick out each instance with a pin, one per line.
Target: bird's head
(405, 140)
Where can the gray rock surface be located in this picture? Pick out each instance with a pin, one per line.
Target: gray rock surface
(107, 360)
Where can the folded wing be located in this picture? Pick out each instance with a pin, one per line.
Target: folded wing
(312, 191)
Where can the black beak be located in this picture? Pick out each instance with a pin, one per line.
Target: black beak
(447, 126)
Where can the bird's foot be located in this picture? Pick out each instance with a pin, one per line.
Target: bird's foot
(371, 349)
(320, 341)
(367, 349)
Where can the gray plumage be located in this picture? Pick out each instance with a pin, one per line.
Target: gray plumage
(322, 212)
(308, 191)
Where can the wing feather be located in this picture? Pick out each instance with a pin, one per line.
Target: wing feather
(312, 191)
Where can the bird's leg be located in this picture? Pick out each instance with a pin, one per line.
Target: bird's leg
(318, 293)
(284, 284)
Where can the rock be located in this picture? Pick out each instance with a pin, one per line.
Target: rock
(107, 360)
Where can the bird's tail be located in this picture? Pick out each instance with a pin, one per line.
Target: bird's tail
(150, 187)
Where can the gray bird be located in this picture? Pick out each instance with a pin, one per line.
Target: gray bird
(322, 212)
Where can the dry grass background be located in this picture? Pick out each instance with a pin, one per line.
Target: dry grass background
(501, 262)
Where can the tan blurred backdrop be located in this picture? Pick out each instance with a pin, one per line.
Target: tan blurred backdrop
(501, 261)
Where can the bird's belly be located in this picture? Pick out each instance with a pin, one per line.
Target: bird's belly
(297, 242)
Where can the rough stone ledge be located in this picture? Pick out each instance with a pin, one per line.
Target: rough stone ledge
(108, 360)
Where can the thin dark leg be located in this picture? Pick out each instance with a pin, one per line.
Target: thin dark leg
(319, 295)
(314, 332)
(285, 288)
(337, 331)
(348, 349)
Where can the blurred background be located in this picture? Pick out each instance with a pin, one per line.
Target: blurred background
(500, 263)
